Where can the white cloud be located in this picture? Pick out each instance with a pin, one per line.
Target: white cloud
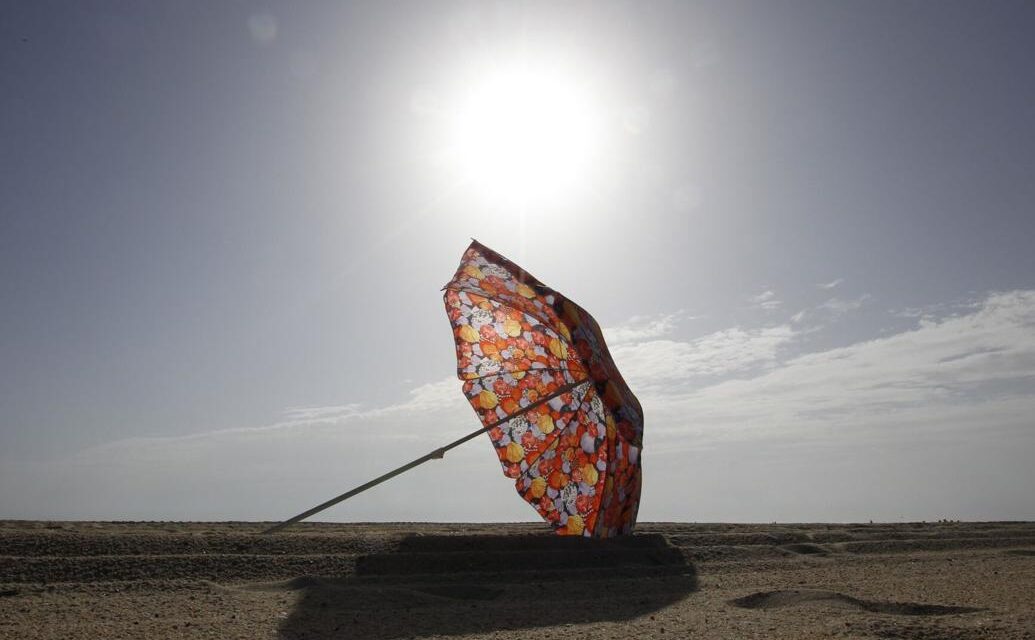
(716, 354)
(275, 470)
(831, 284)
(309, 414)
(766, 301)
(433, 396)
(837, 307)
(930, 422)
(937, 310)
(639, 328)
(832, 309)
(938, 372)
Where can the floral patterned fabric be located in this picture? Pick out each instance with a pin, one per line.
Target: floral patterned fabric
(535, 368)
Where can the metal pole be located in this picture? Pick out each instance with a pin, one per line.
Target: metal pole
(437, 453)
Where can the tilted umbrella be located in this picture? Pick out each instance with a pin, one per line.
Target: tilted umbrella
(535, 368)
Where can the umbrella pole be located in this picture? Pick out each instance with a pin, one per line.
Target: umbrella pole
(437, 453)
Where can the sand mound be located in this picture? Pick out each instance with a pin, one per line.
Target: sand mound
(805, 548)
(777, 599)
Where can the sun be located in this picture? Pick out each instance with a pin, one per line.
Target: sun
(525, 134)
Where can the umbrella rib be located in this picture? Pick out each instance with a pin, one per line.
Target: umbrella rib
(545, 323)
(553, 441)
(526, 371)
(535, 405)
(437, 453)
(553, 445)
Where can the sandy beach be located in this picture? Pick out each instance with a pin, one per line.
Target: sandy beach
(959, 581)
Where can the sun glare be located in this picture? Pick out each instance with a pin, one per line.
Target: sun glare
(525, 135)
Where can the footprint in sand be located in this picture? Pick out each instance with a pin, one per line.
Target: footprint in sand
(777, 599)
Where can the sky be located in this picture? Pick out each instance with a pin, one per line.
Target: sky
(806, 227)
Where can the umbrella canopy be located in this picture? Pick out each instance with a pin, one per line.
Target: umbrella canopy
(535, 368)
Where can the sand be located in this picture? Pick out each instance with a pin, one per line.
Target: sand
(956, 581)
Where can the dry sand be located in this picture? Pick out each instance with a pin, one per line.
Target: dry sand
(958, 581)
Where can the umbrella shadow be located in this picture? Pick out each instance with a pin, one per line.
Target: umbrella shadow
(456, 585)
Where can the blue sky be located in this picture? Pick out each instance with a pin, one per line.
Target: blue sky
(807, 228)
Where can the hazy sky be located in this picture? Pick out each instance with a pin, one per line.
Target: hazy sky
(808, 228)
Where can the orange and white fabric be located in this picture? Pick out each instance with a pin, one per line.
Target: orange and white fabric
(535, 368)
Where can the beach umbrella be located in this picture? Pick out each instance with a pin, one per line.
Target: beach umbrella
(536, 370)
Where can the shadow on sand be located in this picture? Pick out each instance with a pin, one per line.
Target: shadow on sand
(454, 585)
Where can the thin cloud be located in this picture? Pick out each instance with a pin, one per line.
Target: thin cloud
(831, 310)
(716, 354)
(831, 284)
(766, 300)
(639, 328)
(308, 414)
(839, 307)
(941, 373)
(957, 384)
(835, 308)
(937, 310)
